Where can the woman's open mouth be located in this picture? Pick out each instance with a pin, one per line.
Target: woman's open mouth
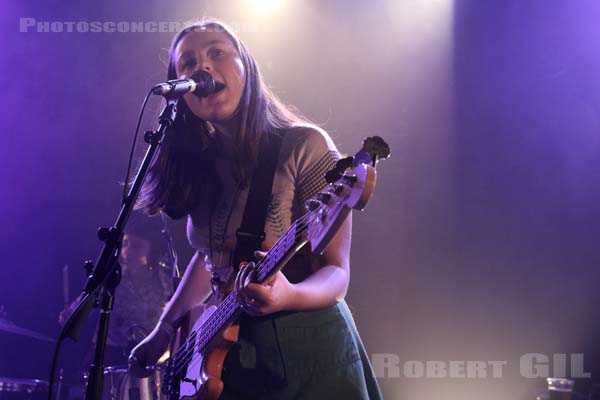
(218, 87)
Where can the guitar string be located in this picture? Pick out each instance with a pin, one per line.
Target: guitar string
(230, 306)
(281, 244)
(208, 326)
(284, 236)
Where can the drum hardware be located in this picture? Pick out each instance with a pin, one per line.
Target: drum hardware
(119, 384)
(10, 327)
(22, 385)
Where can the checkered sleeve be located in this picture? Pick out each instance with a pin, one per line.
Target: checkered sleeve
(318, 155)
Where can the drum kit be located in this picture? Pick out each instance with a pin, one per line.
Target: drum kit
(119, 384)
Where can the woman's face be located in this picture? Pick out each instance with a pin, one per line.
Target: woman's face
(213, 52)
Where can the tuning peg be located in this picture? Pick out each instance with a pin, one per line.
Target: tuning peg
(350, 179)
(312, 204)
(337, 189)
(324, 197)
(332, 176)
(344, 164)
(340, 166)
(377, 148)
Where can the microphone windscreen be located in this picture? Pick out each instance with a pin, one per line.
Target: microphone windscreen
(205, 84)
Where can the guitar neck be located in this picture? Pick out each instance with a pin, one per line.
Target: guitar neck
(281, 252)
(350, 186)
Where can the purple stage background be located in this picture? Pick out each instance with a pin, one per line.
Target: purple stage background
(481, 242)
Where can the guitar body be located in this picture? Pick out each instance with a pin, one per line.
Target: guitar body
(202, 377)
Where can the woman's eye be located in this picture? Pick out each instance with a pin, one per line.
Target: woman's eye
(188, 64)
(215, 52)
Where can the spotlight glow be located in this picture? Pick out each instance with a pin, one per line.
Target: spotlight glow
(264, 8)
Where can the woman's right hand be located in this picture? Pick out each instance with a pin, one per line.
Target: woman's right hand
(148, 352)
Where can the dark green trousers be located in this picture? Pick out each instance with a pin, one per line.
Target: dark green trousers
(303, 355)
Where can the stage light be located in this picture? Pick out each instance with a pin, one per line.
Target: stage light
(264, 8)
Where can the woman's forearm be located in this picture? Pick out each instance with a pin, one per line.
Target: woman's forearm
(323, 288)
(193, 288)
(327, 285)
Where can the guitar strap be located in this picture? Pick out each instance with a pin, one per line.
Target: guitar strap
(251, 232)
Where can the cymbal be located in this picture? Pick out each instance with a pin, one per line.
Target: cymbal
(22, 385)
(11, 327)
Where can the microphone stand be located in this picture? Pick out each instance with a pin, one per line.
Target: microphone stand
(173, 259)
(175, 272)
(104, 277)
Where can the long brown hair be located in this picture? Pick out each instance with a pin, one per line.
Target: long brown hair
(182, 175)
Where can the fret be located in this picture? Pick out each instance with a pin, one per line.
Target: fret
(230, 305)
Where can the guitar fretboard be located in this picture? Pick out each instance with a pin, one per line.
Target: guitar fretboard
(351, 184)
(199, 339)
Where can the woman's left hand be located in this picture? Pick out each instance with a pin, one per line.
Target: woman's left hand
(273, 295)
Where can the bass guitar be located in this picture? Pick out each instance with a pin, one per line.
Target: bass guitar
(194, 372)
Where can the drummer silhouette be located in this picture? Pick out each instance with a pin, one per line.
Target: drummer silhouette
(145, 286)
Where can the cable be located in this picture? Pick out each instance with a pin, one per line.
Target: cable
(125, 187)
(53, 368)
(135, 136)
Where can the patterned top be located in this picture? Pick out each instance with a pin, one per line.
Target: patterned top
(307, 153)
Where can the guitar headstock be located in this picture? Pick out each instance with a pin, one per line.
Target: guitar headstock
(351, 185)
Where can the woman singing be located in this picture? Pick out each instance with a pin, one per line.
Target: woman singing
(297, 339)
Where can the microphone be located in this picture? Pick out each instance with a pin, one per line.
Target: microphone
(201, 83)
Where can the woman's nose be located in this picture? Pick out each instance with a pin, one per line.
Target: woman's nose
(205, 65)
